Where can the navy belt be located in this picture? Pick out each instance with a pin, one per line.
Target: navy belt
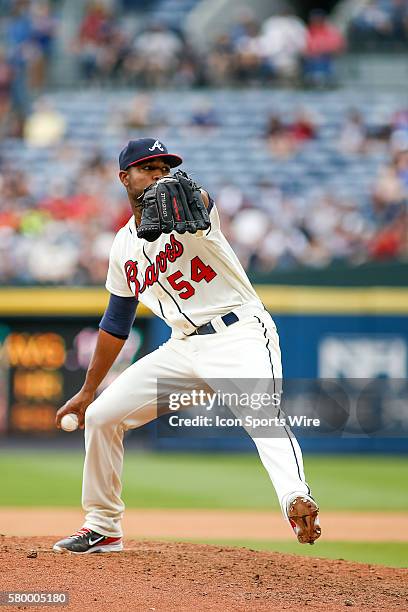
(208, 328)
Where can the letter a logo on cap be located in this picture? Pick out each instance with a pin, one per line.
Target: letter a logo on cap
(157, 145)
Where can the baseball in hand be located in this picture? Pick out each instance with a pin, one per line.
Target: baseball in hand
(69, 422)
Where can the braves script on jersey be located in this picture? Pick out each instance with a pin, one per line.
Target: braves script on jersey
(185, 279)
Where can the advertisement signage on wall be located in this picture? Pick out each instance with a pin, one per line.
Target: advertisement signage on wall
(43, 363)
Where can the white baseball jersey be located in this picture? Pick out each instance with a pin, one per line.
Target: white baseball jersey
(185, 279)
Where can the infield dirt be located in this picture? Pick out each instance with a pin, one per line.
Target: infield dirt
(178, 524)
(165, 577)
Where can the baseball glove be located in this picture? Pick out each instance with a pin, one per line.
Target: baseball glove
(174, 203)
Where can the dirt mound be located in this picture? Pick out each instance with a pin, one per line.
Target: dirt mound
(166, 577)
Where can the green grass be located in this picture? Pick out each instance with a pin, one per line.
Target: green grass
(205, 481)
(392, 554)
(31, 479)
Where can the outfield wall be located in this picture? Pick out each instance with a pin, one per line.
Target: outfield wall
(47, 336)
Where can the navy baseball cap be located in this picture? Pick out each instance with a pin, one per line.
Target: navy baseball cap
(143, 149)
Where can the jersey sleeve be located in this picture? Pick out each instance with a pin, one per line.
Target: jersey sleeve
(119, 316)
(116, 282)
(214, 218)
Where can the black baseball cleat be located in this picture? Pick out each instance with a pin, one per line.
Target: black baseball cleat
(87, 541)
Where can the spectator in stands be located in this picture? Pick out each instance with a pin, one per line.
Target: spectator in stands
(94, 255)
(6, 79)
(381, 24)
(43, 31)
(101, 44)
(14, 189)
(285, 139)
(250, 65)
(19, 29)
(370, 25)
(45, 126)
(353, 135)
(158, 50)
(401, 168)
(284, 249)
(230, 199)
(191, 70)
(189, 73)
(221, 61)
(390, 210)
(269, 196)
(398, 141)
(323, 43)
(245, 25)
(282, 41)
(399, 21)
(18, 38)
(399, 131)
(141, 114)
(114, 51)
(390, 191)
(96, 184)
(303, 128)
(204, 116)
(90, 39)
(248, 229)
(390, 241)
(278, 137)
(378, 135)
(399, 120)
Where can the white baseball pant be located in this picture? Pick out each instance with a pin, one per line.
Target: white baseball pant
(247, 349)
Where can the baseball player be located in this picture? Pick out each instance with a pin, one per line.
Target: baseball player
(173, 257)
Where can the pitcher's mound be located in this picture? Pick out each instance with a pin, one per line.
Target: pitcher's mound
(168, 576)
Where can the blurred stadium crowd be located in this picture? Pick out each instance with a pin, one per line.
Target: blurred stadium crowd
(109, 49)
(61, 201)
